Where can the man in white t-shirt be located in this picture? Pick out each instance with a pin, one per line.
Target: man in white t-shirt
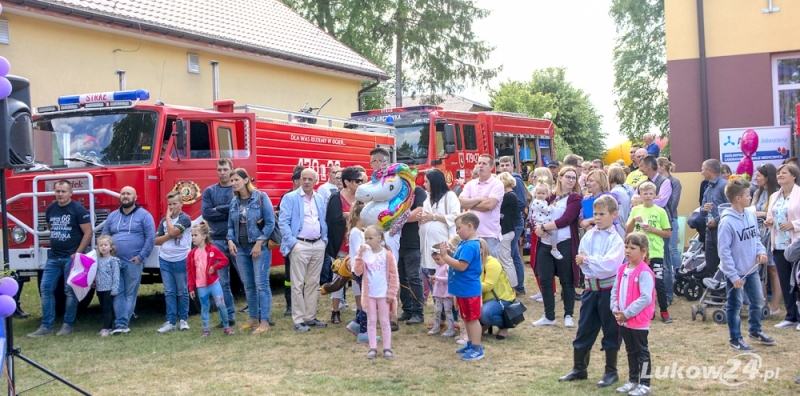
(483, 196)
(329, 187)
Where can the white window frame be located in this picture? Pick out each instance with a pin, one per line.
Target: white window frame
(777, 88)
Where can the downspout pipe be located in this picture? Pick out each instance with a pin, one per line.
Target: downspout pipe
(701, 37)
(215, 79)
(364, 90)
(121, 74)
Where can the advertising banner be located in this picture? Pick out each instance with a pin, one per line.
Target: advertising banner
(774, 145)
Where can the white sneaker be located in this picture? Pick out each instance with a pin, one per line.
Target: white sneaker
(556, 254)
(544, 322)
(785, 324)
(798, 327)
(166, 327)
(183, 325)
(568, 322)
(537, 297)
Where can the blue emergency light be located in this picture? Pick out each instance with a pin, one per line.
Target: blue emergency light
(139, 94)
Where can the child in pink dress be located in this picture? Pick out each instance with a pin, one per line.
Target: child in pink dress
(443, 302)
(379, 288)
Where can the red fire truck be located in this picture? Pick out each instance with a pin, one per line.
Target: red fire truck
(458, 138)
(105, 141)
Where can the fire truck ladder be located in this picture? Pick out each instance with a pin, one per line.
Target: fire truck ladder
(36, 195)
(333, 122)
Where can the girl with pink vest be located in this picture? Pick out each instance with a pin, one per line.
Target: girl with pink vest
(633, 307)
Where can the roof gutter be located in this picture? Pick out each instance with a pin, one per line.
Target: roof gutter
(43, 5)
(364, 90)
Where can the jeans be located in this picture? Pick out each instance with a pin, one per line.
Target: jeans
(639, 367)
(784, 268)
(176, 289)
(494, 246)
(752, 288)
(215, 290)
(125, 302)
(255, 276)
(667, 269)
(517, 256)
(225, 279)
(711, 252)
(54, 268)
(408, 270)
(492, 313)
(326, 275)
(672, 259)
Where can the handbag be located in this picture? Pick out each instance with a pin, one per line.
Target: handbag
(275, 238)
(512, 314)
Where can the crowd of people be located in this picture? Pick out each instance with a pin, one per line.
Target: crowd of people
(462, 247)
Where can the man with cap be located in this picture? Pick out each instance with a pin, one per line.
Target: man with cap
(554, 167)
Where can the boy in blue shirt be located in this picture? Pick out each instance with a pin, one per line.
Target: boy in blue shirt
(464, 281)
(740, 253)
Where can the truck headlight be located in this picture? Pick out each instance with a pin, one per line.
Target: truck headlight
(18, 234)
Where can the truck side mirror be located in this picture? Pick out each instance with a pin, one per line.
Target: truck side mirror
(180, 135)
(449, 138)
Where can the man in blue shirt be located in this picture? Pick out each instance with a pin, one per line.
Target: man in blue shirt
(650, 145)
(714, 197)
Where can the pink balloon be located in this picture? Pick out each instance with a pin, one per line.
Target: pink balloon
(745, 166)
(5, 88)
(749, 142)
(9, 286)
(7, 306)
(661, 142)
(5, 67)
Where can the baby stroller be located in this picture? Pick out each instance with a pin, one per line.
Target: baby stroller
(689, 277)
(715, 296)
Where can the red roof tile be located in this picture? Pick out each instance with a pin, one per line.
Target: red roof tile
(266, 25)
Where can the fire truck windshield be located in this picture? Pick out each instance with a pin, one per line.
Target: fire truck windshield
(412, 144)
(89, 139)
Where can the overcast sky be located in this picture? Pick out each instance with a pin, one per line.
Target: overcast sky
(536, 34)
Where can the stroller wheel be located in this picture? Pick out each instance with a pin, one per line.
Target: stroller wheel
(693, 290)
(702, 311)
(765, 312)
(678, 286)
(694, 313)
(719, 317)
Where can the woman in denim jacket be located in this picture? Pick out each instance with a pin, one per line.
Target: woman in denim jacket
(250, 223)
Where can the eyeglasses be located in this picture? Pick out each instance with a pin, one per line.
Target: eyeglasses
(570, 177)
(358, 181)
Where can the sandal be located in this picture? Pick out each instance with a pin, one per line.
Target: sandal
(372, 354)
(260, 330)
(387, 354)
(336, 317)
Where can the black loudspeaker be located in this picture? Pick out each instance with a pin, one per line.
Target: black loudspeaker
(16, 144)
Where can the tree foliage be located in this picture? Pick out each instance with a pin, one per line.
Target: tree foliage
(576, 120)
(431, 38)
(640, 67)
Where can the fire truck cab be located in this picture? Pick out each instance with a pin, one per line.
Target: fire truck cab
(430, 137)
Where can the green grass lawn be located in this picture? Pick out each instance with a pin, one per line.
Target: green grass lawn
(328, 361)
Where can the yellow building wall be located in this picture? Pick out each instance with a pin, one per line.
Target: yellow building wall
(732, 27)
(63, 60)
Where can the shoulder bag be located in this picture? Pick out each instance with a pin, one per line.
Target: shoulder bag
(512, 314)
(276, 236)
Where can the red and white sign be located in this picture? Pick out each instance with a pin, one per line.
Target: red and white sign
(97, 97)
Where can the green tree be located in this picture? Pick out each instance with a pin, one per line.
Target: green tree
(434, 39)
(640, 67)
(576, 120)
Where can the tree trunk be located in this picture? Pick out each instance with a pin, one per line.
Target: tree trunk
(399, 42)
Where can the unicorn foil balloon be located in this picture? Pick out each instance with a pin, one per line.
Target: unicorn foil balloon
(388, 197)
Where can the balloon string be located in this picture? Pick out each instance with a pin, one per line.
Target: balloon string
(10, 385)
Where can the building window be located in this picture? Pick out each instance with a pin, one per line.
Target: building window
(194, 64)
(786, 89)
